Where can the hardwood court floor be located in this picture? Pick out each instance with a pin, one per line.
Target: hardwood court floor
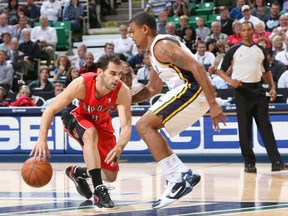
(223, 190)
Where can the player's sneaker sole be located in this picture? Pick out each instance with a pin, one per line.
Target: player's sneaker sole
(173, 192)
(192, 179)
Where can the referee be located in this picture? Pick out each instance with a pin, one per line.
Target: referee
(249, 65)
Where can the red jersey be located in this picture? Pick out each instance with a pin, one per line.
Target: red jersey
(97, 111)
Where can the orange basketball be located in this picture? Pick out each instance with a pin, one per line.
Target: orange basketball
(36, 173)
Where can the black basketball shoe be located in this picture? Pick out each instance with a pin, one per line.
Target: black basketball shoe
(102, 198)
(81, 184)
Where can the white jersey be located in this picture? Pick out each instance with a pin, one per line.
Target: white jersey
(172, 75)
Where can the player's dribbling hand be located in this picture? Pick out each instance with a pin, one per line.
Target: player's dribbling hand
(40, 151)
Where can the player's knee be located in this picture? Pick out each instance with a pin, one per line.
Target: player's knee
(90, 135)
(141, 126)
(109, 176)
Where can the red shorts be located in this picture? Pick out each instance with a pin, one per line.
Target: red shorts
(75, 127)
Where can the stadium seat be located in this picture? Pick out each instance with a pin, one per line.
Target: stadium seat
(64, 24)
(192, 8)
(214, 17)
(64, 38)
(174, 20)
(205, 8)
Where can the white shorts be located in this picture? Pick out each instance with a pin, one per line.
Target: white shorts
(180, 107)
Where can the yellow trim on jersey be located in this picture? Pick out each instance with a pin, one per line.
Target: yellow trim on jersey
(179, 72)
(183, 106)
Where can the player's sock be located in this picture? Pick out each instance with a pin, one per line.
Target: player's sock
(96, 177)
(81, 172)
(178, 164)
(170, 173)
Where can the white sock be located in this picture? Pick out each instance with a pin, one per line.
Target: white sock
(168, 170)
(178, 164)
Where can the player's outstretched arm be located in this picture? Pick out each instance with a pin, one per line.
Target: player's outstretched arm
(170, 51)
(74, 90)
(125, 116)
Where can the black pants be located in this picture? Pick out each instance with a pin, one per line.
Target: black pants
(251, 102)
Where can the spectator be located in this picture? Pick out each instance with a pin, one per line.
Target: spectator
(157, 6)
(89, 65)
(3, 94)
(247, 15)
(202, 31)
(143, 73)
(73, 12)
(282, 56)
(62, 65)
(4, 27)
(225, 21)
(15, 56)
(162, 21)
(189, 38)
(32, 12)
(22, 24)
(216, 32)
(46, 37)
(31, 51)
(260, 32)
(170, 28)
(79, 59)
(6, 72)
(109, 47)
(51, 9)
(236, 13)
(72, 74)
(136, 61)
(183, 21)
(277, 68)
(6, 38)
(224, 3)
(236, 37)
(283, 80)
(94, 14)
(181, 7)
(277, 44)
(124, 44)
(262, 41)
(128, 76)
(23, 98)
(13, 7)
(260, 9)
(204, 57)
(57, 89)
(212, 46)
(42, 83)
(272, 20)
(281, 30)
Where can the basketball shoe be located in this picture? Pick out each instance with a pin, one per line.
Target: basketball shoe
(191, 178)
(81, 184)
(102, 198)
(173, 192)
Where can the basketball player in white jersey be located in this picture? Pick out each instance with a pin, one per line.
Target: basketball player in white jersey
(190, 97)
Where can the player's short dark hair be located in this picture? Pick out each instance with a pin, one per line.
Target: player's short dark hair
(105, 59)
(144, 18)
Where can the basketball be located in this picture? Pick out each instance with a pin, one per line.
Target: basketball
(36, 173)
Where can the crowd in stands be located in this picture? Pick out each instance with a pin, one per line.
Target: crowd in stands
(23, 43)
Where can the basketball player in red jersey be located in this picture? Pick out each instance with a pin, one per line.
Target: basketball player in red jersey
(90, 124)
